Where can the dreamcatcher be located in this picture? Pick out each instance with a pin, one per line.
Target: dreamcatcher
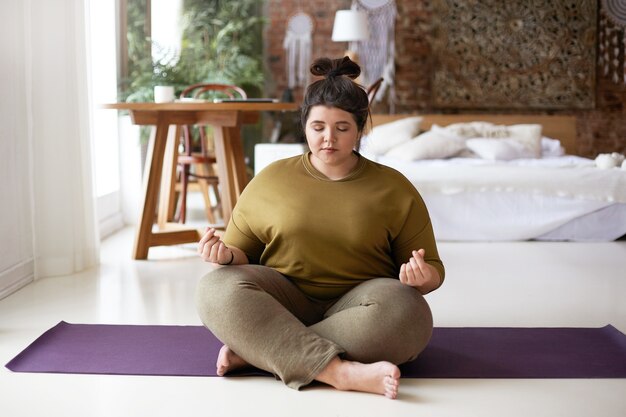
(378, 52)
(612, 39)
(297, 45)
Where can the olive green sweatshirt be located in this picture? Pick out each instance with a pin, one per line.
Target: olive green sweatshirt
(328, 236)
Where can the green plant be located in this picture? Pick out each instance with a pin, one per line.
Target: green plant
(221, 42)
(138, 47)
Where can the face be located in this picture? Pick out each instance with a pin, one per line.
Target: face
(332, 134)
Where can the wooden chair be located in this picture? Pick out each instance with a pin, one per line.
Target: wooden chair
(202, 160)
(373, 89)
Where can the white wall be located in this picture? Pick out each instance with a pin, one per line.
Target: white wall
(16, 246)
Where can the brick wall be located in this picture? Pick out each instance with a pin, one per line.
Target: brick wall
(278, 13)
(600, 130)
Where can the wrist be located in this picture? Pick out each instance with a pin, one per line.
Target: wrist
(232, 258)
(432, 284)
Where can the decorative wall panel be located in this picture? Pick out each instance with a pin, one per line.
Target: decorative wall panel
(531, 54)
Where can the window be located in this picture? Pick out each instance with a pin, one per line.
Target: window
(105, 141)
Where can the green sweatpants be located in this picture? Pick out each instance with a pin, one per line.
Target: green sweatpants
(270, 323)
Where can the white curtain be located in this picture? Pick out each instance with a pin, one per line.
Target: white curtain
(56, 115)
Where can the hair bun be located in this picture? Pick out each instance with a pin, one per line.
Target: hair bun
(329, 68)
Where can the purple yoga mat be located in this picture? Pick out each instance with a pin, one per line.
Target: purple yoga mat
(480, 352)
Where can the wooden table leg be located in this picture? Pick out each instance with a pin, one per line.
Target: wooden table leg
(231, 165)
(225, 170)
(167, 196)
(238, 161)
(151, 185)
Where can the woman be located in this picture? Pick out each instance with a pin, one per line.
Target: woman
(329, 256)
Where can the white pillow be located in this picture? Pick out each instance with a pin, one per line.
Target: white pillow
(499, 149)
(384, 137)
(433, 144)
(551, 147)
(528, 135)
(474, 129)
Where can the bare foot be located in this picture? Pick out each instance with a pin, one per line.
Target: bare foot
(378, 378)
(227, 360)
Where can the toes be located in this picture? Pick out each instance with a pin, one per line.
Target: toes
(392, 394)
(222, 361)
(391, 381)
(391, 387)
(222, 367)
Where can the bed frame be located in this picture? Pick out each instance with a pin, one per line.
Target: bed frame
(556, 127)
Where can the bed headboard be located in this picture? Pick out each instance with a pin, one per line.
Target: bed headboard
(556, 127)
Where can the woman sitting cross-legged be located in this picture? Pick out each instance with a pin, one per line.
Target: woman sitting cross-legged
(329, 255)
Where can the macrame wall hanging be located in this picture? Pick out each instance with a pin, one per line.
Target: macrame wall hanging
(377, 54)
(612, 40)
(297, 45)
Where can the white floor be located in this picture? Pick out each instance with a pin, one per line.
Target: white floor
(497, 284)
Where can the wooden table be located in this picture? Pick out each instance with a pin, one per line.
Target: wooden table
(160, 169)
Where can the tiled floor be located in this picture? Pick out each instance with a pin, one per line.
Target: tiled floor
(488, 284)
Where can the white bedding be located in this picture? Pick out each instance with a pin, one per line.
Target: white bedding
(570, 176)
(558, 198)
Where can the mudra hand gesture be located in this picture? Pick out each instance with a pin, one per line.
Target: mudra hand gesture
(419, 274)
(212, 249)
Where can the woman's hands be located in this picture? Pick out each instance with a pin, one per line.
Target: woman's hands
(419, 274)
(212, 249)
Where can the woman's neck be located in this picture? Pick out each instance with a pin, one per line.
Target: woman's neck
(335, 172)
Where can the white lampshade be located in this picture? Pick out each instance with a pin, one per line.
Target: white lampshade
(350, 26)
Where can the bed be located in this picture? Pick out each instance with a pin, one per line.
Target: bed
(479, 194)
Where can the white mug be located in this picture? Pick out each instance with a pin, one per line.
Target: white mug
(163, 94)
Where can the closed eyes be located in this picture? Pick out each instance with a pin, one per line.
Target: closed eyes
(320, 128)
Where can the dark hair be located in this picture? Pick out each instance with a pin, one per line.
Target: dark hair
(336, 89)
